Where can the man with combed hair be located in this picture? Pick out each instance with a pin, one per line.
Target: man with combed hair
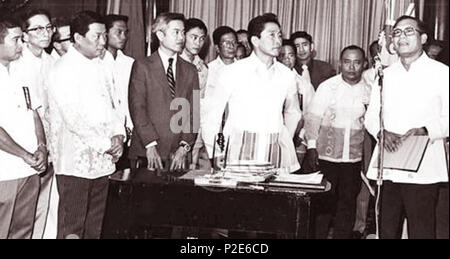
(87, 127)
(335, 132)
(256, 90)
(23, 152)
(415, 97)
(159, 84)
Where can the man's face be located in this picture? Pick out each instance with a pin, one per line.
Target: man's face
(243, 39)
(410, 44)
(195, 40)
(64, 42)
(304, 49)
(39, 33)
(173, 37)
(11, 48)
(228, 46)
(94, 42)
(118, 35)
(287, 56)
(240, 53)
(434, 51)
(270, 41)
(352, 66)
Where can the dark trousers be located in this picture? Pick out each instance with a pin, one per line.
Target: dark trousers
(43, 204)
(82, 204)
(340, 201)
(18, 199)
(442, 213)
(416, 202)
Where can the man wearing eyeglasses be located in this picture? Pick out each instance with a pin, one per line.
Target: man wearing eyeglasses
(415, 97)
(61, 37)
(36, 64)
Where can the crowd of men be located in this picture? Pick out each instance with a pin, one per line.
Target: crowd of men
(72, 118)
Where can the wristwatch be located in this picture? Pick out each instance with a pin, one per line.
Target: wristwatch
(186, 146)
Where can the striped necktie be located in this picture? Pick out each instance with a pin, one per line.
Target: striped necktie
(171, 78)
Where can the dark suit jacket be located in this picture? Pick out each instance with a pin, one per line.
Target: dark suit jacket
(319, 71)
(150, 101)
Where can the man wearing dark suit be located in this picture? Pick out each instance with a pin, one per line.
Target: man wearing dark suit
(316, 71)
(159, 85)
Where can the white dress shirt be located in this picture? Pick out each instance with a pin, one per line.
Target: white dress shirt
(334, 122)
(121, 72)
(84, 114)
(17, 121)
(255, 96)
(414, 99)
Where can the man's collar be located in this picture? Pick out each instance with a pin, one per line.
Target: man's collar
(164, 56)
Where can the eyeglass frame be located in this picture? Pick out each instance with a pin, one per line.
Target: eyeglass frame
(40, 29)
(229, 43)
(63, 40)
(403, 32)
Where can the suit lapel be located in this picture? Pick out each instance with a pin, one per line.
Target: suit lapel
(180, 77)
(160, 75)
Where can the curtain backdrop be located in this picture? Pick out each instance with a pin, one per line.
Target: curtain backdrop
(334, 24)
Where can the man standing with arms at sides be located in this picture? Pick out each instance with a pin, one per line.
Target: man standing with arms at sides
(335, 133)
(120, 66)
(196, 33)
(38, 31)
(256, 89)
(242, 38)
(316, 71)
(415, 97)
(159, 85)
(88, 126)
(21, 133)
(306, 92)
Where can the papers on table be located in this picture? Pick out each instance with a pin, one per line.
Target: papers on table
(314, 178)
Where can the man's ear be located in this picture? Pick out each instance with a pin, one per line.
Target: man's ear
(424, 38)
(255, 41)
(312, 47)
(25, 37)
(77, 37)
(160, 35)
(217, 49)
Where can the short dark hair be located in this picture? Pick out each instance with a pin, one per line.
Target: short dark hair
(258, 24)
(59, 22)
(242, 31)
(219, 32)
(288, 42)
(111, 18)
(421, 26)
(7, 22)
(31, 13)
(372, 46)
(302, 35)
(193, 23)
(81, 21)
(353, 47)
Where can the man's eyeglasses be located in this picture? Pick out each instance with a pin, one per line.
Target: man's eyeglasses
(229, 43)
(62, 40)
(41, 30)
(409, 31)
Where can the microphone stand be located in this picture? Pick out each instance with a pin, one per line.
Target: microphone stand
(380, 146)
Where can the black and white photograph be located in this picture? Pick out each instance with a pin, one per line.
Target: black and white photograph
(203, 121)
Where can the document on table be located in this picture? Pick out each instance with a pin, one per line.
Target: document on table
(314, 178)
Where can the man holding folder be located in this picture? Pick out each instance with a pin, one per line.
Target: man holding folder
(415, 98)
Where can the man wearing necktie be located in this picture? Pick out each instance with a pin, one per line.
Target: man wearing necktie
(316, 70)
(159, 85)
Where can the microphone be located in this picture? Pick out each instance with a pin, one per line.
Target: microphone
(378, 66)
